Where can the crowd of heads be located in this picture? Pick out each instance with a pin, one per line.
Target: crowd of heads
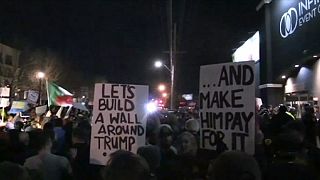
(59, 148)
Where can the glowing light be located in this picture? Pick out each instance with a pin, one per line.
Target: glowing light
(164, 95)
(161, 87)
(151, 107)
(158, 64)
(283, 76)
(297, 65)
(40, 75)
(315, 56)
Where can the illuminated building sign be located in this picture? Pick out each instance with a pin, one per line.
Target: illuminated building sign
(294, 26)
(298, 15)
(249, 51)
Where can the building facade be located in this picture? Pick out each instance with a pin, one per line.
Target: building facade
(288, 59)
(9, 64)
(290, 52)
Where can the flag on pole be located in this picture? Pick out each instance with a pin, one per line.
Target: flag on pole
(59, 96)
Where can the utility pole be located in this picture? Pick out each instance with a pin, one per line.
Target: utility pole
(171, 56)
(172, 53)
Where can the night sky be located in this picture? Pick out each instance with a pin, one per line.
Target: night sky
(118, 40)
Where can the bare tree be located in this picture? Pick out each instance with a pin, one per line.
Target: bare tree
(39, 60)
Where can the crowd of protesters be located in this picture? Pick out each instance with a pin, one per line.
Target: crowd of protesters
(58, 147)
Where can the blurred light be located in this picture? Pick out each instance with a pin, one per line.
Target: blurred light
(161, 87)
(315, 99)
(40, 75)
(83, 103)
(297, 65)
(158, 64)
(164, 95)
(315, 56)
(83, 97)
(151, 107)
(188, 97)
(283, 77)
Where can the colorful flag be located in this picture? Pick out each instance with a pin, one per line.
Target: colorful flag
(59, 96)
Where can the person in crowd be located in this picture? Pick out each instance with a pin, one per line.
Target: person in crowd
(59, 145)
(10, 122)
(193, 126)
(188, 145)
(48, 165)
(166, 139)
(18, 125)
(279, 120)
(265, 119)
(4, 146)
(270, 110)
(35, 120)
(233, 165)
(16, 147)
(168, 152)
(68, 127)
(153, 127)
(124, 165)
(23, 151)
(12, 171)
(310, 123)
(84, 124)
(192, 165)
(151, 154)
(82, 169)
(292, 158)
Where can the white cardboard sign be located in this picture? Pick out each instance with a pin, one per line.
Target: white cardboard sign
(118, 120)
(227, 106)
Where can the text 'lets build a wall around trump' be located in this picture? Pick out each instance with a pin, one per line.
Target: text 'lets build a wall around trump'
(118, 120)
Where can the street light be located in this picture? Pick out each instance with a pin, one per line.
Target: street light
(161, 87)
(159, 64)
(40, 75)
(164, 95)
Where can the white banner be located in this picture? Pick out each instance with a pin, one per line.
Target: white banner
(4, 102)
(4, 92)
(118, 120)
(227, 106)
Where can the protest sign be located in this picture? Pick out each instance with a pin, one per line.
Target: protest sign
(33, 97)
(18, 106)
(4, 92)
(118, 120)
(4, 102)
(227, 106)
(41, 110)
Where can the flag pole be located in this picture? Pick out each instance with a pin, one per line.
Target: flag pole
(48, 96)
